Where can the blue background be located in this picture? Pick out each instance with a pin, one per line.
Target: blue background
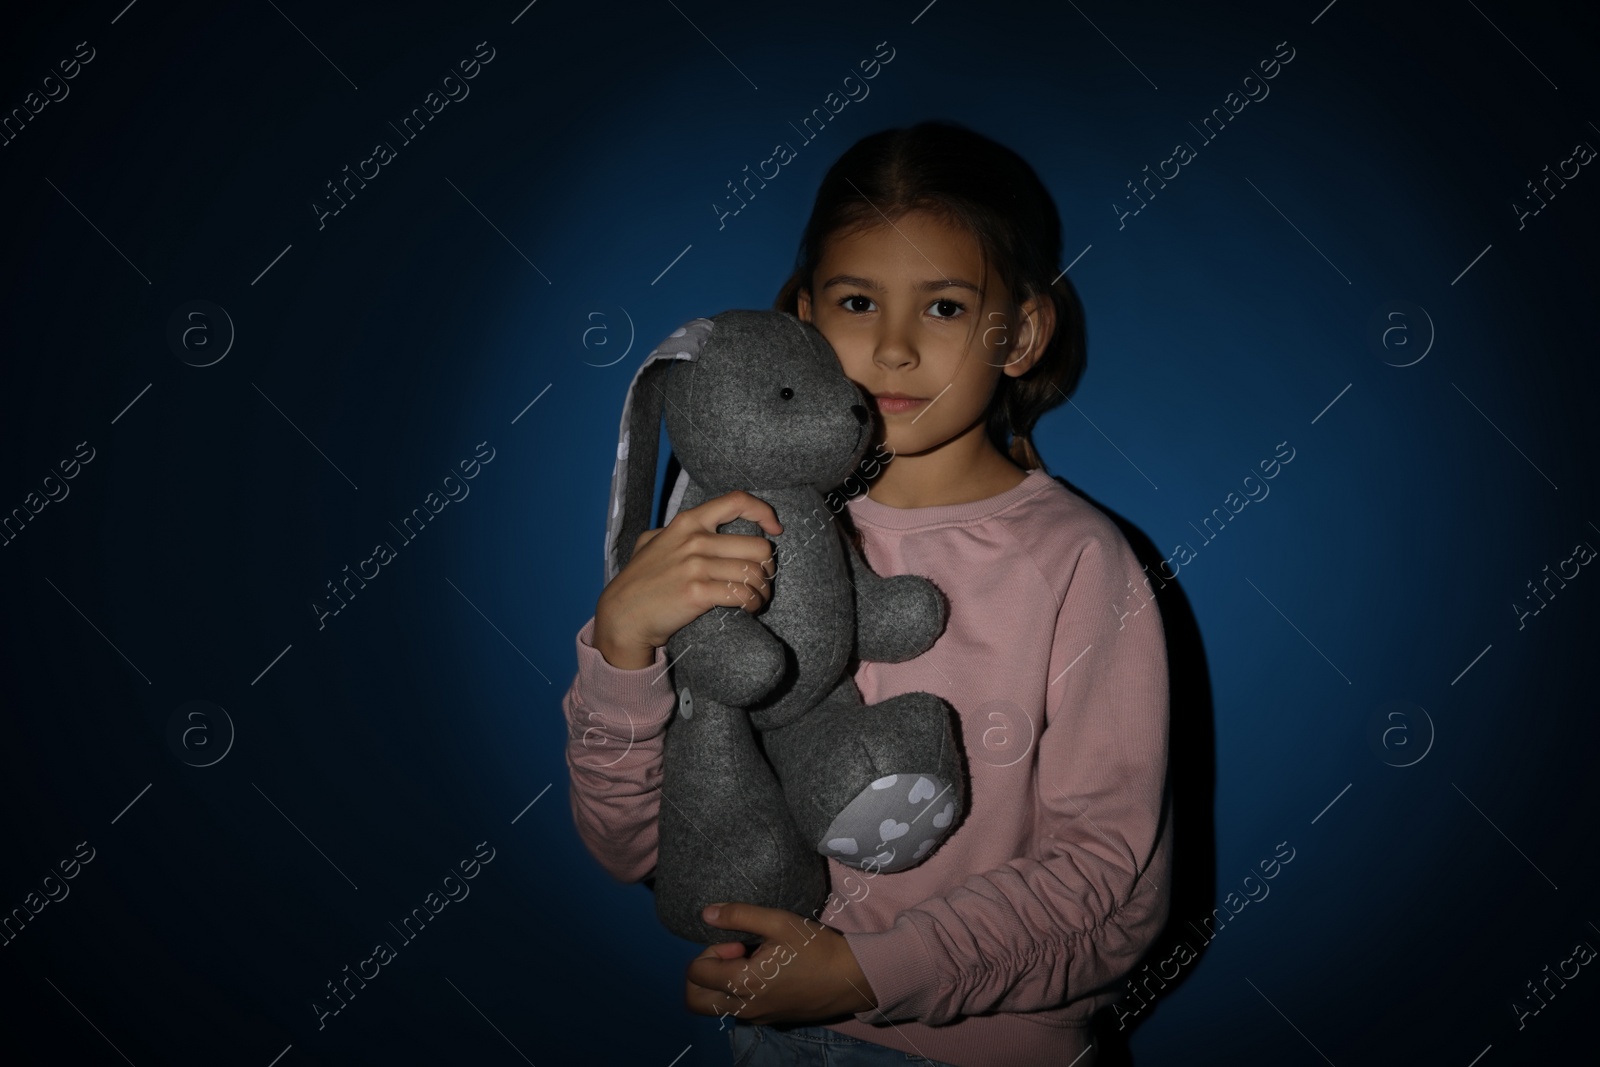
(532, 244)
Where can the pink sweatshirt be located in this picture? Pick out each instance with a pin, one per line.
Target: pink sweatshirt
(997, 949)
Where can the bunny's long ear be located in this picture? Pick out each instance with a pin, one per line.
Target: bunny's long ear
(634, 477)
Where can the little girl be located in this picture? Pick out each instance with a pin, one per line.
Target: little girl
(930, 265)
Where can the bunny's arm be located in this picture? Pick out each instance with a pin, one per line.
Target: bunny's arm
(729, 657)
(897, 618)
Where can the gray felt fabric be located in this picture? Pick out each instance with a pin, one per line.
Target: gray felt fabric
(772, 760)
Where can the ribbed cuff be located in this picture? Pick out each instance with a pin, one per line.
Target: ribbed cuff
(628, 705)
(900, 970)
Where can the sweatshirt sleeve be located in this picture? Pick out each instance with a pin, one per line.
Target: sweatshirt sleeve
(615, 734)
(1074, 915)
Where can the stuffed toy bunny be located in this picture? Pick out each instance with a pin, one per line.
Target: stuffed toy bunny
(771, 760)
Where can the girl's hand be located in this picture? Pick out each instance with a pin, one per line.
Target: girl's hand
(680, 571)
(802, 972)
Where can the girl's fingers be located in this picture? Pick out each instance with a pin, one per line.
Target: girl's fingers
(722, 950)
(753, 548)
(754, 568)
(724, 509)
(738, 583)
(735, 505)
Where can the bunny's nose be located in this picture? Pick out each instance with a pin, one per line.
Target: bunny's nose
(860, 413)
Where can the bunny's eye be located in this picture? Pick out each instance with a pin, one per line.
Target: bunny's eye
(786, 393)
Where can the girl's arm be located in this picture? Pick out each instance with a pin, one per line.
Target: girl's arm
(1074, 915)
(615, 724)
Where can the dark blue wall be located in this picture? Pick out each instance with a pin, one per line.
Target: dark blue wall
(1342, 268)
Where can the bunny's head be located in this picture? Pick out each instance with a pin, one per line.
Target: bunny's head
(752, 399)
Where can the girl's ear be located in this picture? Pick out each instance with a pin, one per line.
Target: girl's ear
(633, 477)
(803, 305)
(1037, 326)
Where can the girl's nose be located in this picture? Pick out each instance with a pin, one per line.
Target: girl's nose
(893, 351)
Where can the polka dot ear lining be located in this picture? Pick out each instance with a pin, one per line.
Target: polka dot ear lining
(633, 477)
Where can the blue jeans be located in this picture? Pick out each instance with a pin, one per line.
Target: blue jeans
(757, 1045)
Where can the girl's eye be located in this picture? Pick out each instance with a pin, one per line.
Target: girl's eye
(947, 309)
(848, 303)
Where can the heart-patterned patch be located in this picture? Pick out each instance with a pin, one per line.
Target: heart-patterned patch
(886, 810)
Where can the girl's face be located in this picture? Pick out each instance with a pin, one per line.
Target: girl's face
(906, 308)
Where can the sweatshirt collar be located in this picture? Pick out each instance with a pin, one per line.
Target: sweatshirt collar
(865, 510)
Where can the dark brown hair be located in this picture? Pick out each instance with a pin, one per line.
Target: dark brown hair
(980, 184)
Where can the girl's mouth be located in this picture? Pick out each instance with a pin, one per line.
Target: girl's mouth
(894, 405)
